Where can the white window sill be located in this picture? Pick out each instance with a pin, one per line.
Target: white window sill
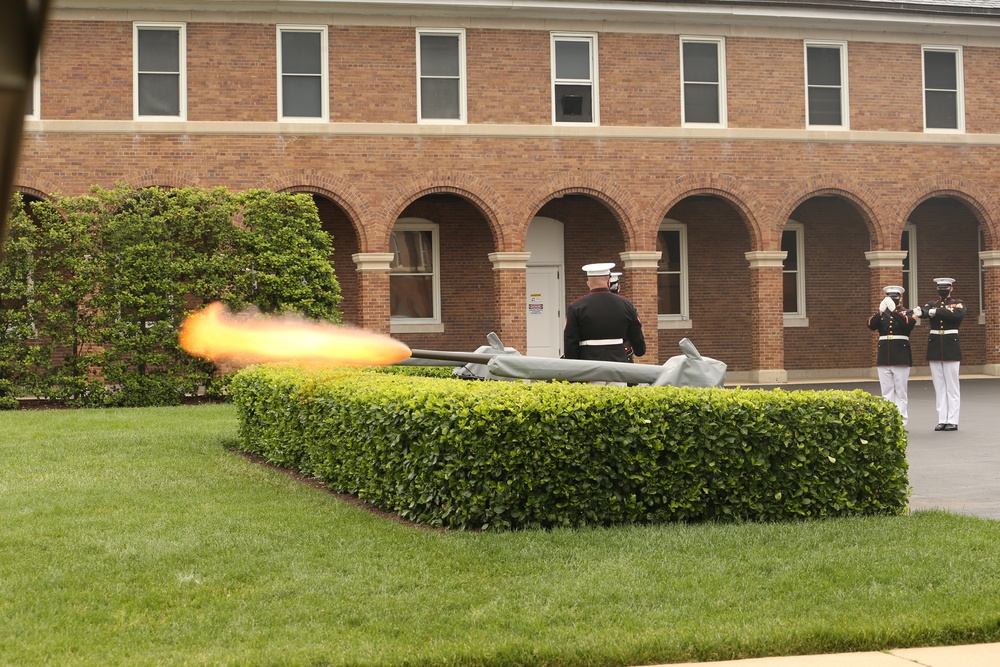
(982, 318)
(796, 321)
(415, 327)
(664, 323)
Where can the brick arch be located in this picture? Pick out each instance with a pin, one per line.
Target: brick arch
(601, 188)
(979, 200)
(860, 196)
(749, 206)
(336, 189)
(164, 178)
(35, 183)
(486, 199)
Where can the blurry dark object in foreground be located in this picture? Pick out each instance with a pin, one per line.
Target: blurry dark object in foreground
(21, 23)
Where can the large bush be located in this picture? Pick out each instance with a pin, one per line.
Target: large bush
(516, 455)
(95, 287)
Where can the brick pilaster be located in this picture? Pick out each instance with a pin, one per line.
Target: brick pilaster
(991, 296)
(373, 290)
(510, 290)
(639, 287)
(767, 320)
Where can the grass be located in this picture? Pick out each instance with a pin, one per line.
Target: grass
(134, 536)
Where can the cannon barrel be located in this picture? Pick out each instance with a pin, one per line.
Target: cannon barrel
(460, 358)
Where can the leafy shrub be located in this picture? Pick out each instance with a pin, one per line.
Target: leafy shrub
(503, 455)
(96, 287)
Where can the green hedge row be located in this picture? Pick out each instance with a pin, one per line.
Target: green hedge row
(502, 455)
(93, 288)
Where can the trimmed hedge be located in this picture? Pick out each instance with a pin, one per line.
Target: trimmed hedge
(503, 455)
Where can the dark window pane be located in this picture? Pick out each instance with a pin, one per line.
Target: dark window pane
(574, 104)
(668, 242)
(414, 252)
(824, 106)
(411, 296)
(942, 110)
(701, 103)
(701, 62)
(573, 60)
(790, 298)
(159, 50)
(439, 55)
(789, 245)
(301, 53)
(940, 70)
(823, 66)
(159, 95)
(301, 96)
(904, 244)
(439, 98)
(668, 290)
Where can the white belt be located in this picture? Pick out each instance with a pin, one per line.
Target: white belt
(946, 331)
(893, 337)
(603, 341)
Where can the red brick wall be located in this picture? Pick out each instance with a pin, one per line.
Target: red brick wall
(86, 71)
(521, 60)
(214, 92)
(886, 88)
(372, 75)
(766, 82)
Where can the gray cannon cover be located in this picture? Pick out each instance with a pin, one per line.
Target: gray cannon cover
(691, 369)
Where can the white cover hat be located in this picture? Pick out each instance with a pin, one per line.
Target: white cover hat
(894, 289)
(603, 269)
(944, 281)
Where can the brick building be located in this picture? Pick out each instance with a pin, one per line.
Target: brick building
(758, 169)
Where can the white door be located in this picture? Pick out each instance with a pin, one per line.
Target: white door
(545, 318)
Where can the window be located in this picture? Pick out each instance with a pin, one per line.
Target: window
(944, 108)
(441, 68)
(793, 278)
(672, 272)
(160, 86)
(703, 81)
(414, 290)
(910, 282)
(31, 104)
(574, 79)
(826, 85)
(302, 73)
(982, 278)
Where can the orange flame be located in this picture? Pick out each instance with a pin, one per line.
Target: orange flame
(241, 339)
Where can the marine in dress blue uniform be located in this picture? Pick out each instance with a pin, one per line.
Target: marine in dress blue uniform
(944, 352)
(894, 324)
(599, 323)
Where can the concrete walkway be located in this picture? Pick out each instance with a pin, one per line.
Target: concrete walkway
(956, 471)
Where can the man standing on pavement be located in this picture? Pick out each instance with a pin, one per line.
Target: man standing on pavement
(599, 323)
(944, 353)
(893, 324)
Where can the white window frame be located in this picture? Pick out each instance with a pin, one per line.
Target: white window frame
(324, 74)
(462, 93)
(720, 43)
(959, 92)
(798, 318)
(591, 39)
(845, 107)
(421, 324)
(35, 92)
(980, 237)
(182, 65)
(912, 282)
(683, 319)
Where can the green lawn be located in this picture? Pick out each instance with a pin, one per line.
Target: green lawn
(134, 536)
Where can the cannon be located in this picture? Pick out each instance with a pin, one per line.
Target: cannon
(497, 362)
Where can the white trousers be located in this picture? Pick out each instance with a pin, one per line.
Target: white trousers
(893, 380)
(947, 394)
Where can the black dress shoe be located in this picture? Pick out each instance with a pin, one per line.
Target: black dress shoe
(951, 427)
(940, 427)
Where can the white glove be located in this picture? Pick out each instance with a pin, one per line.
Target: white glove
(887, 304)
(917, 312)
(932, 312)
